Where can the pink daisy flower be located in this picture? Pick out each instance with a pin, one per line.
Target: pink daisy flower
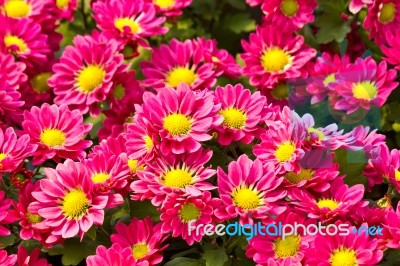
(380, 165)
(249, 191)
(357, 5)
(64, 9)
(66, 201)
(114, 256)
(7, 215)
(7, 260)
(271, 57)
(10, 104)
(83, 77)
(57, 131)
(128, 19)
(293, 14)
(363, 84)
(393, 167)
(242, 111)
(178, 211)
(391, 49)
(184, 174)
(143, 238)
(362, 138)
(23, 8)
(170, 8)
(392, 224)
(12, 73)
(26, 259)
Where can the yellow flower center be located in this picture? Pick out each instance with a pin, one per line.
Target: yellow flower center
(365, 90)
(90, 78)
(11, 40)
(75, 204)
(121, 23)
(233, 118)
(189, 212)
(2, 156)
(134, 167)
(343, 257)
(17, 9)
(62, 4)
(180, 75)
(387, 13)
(34, 218)
(149, 142)
(285, 151)
(280, 92)
(294, 178)
(327, 203)
(177, 124)
(329, 79)
(396, 173)
(288, 247)
(100, 178)
(177, 178)
(289, 7)
(140, 250)
(39, 82)
(164, 3)
(52, 137)
(275, 59)
(119, 92)
(246, 198)
(320, 134)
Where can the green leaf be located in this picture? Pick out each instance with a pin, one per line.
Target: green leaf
(142, 209)
(185, 262)
(239, 23)
(6, 241)
(331, 28)
(215, 257)
(352, 164)
(92, 233)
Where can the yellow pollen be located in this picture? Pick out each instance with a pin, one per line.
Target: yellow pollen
(134, 167)
(280, 92)
(365, 90)
(119, 92)
(294, 178)
(343, 257)
(17, 9)
(177, 178)
(329, 79)
(285, 151)
(164, 3)
(246, 198)
(320, 134)
(39, 82)
(327, 203)
(122, 23)
(180, 75)
(52, 137)
(75, 204)
(90, 78)
(387, 13)
(189, 212)
(275, 59)
(2, 156)
(11, 40)
(233, 118)
(396, 173)
(288, 247)
(100, 178)
(289, 7)
(34, 218)
(62, 4)
(148, 142)
(177, 124)
(140, 250)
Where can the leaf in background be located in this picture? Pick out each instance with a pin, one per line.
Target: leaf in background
(142, 209)
(239, 23)
(331, 28)
(185, 262)
(215, 257)
(352, 164)
(6, 241)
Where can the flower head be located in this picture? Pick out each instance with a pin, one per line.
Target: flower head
(7, 215)
(113, 256)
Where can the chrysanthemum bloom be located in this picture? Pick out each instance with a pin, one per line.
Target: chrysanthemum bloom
(352, 249)
(380, 165)
(292, 14)
(11, 72)
(362, 138)
(113, 256)
(10, 104)
(23, 8)
(7, 215)
(14, 150)
(128, 19)
(183, 118)
(336, 203)
(391, 48)
(23, 39)
(179, 62)
(7, 260)
(65, 9)
(57, 131)
(184, 174)
(363, 84)
(271, 57)
(116, 121)
(144, 238)
(126, 90)
(83, 77)
(170, 8)
(273, 250)
(383, 16)
(357, 5)
(243, 114)
(33, 259)
(179, 211)
(249, 191)
(393, 167)
(392, 225)
(66, 201)
(20, 177)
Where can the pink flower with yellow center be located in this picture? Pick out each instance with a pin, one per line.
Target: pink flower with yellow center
(83, 77)
(243, 114)
(19, 9)
(170, 8)
(272, 57)
(7, 260)
(128, 19)
(65, 9)
(66, 201)
(143, 238)
(249, 191)
(7, 215)
(57, 131)
(113, 256)
(178, 211)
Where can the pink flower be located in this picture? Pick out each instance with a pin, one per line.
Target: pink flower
(143, 238)
(57, 131)
(362, 138)
(7, 216)
(357, 5)
(66, 201)
(24, 9)
(7, 260)
(11, 72)
(392, 224)
(114, 256)
(391, 48)
(170, 8)
(10, 104)
(381, 164)
(25, 259)
(249, 191)
(65, 9)
(271, 57)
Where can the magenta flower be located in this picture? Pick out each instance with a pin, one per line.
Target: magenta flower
(33, 259)
(114, 256)
(170, 8)
(7, 215)
(391, 48)
(7, 260)
(357, 5)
